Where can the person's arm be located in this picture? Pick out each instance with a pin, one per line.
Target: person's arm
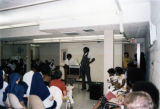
(64, 92)
(21, 95)
(22, 103)
(5, 98)
(118, 85)
(97, 105)
(7, 105)
(92, 60)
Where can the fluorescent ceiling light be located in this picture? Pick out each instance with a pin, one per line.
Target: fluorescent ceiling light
(69, 39)
(35, 45)
(119, 36)
(19, 25)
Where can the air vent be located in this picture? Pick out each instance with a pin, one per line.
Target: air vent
(88, 30)
(71, 34)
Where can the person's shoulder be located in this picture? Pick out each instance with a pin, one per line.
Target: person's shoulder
(28, 73)
(5, 84)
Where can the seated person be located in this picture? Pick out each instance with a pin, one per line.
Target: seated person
(112, 80)
(27, 78)
(111, 87)
(138, 100)
(69, 61)
(56, 81)
(115, 83)
(121, 84)
(14, 88)
(39, 89)
(3, 86)
(46, 74)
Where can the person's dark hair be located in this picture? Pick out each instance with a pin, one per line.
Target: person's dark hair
(148, 87)
(119, 70)
(111, 71)
(69, 55)
(34, 67)
(86, 48)
(44, 68)
(57, 74)
(126, 53)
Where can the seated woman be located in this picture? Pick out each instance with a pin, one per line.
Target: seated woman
(56, 81)
(121, 84)
(3, 86)
(115, 83)
(41, 90)
(14, 88)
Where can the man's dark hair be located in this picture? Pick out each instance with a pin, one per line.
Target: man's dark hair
(69, 55)
(34, 67)
(126, 53)
(119, 70)
(111, 71)
(86, 48)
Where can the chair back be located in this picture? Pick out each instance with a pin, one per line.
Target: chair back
(13, 100)
(57, 94)
(34, 102)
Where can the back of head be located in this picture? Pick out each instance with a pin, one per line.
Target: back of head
(138, 100)
(126, 54)
(119, 70)
(34, 67)
(69, 56)
(111, 71)
(57, 74)
(149, 88)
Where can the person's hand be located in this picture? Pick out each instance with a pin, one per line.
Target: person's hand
(8, 105)
(51, 98)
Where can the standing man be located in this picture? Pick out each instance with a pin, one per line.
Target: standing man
(85, 67)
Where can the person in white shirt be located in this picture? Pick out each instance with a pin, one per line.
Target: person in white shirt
(68, 62)
(3, 85)
(27, 78)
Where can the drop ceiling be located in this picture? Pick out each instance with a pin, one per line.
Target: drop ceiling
(73, 17)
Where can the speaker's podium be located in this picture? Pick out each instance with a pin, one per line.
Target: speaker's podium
(73, 72)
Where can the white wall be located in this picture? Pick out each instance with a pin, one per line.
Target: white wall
(155, 49)
(97, 51)
(49, 51)
(118, 55)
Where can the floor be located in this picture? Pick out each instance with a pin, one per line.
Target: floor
(81, 99)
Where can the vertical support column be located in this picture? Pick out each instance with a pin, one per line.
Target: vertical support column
(108, 55)
(138, 55)
(0, 53)
(28, 57)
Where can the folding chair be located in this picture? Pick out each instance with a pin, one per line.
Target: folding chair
(34, 102)
(57, 94)
(13, 100)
